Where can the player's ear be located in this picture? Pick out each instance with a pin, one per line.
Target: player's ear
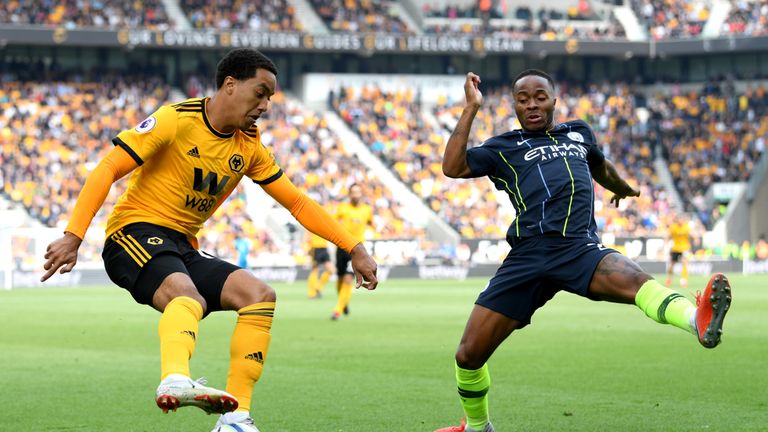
(229, 84)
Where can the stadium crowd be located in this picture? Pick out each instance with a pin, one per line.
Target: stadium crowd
(577, 21)
(73, 14)
(747, 18)
(668, 19)
(713, 135)
(265, 15)
(360, 16)
(58, 131)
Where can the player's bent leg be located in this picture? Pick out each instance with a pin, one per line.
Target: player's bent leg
(183, 308)
(712, 305)
(484, 332)
(617, 279)
(621, 280)
(254, 302)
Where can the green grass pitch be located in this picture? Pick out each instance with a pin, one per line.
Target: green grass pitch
(86, 359)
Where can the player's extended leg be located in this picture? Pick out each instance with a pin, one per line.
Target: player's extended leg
(670, 271)
(313, 282)
(254, 302)
(619, 279)
(326, 274)
(345, 295)
(182, 308)
(484, 332)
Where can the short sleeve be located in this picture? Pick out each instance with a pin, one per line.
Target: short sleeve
(481, 160)
(149, 136)
(263, 168)
(595, 156)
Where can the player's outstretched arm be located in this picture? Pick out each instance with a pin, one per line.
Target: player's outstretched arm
(316, 219)
(606, 175)
(62, 253)
(455, 157)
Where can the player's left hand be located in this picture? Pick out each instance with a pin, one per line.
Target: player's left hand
(618, 197)
(364, 267)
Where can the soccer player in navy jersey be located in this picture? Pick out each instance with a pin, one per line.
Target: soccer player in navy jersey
(547, 170)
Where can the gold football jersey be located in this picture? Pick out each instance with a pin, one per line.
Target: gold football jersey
(354, 219)
(680, 237)
(186, 168)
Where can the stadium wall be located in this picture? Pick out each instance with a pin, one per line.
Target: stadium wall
(16, 279)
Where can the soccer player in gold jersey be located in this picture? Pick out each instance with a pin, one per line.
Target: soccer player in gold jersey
(354, 216)
(322, 268)
(679, 234)
(185, 160)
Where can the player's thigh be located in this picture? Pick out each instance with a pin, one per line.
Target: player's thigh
(617, 279)
(209, 274)
(517, 290)
(140, 257)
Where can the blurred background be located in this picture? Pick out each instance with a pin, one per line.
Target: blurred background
(369, 91)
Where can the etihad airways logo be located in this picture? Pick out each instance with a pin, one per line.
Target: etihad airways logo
(546, 153)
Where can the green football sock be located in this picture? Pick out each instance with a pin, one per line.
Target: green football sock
(473, 392)
(666, 306)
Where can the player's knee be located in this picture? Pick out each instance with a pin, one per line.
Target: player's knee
(243, 289)
(176, 285)
(466, 360)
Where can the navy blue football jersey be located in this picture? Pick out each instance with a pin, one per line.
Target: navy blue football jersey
(547, 177)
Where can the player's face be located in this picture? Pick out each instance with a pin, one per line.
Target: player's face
(534, 103)
(252, 97)
(355, 194)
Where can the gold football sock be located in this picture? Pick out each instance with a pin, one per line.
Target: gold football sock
(323, 280)
(248, 351)
(178, 332)
(312, 283)
(345, 294)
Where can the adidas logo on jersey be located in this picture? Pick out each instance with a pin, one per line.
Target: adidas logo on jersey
(194, 153)
(189, 333)
(257, 356)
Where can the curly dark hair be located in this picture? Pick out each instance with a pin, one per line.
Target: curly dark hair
(241, 64)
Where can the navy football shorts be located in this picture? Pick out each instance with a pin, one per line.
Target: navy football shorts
(536, 269)
(140, 256)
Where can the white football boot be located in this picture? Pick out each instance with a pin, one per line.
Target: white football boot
(239, 421)
(179, 391)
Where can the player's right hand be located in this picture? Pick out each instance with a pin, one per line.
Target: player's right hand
(61, 254)
(472, 91)
(364, 267)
